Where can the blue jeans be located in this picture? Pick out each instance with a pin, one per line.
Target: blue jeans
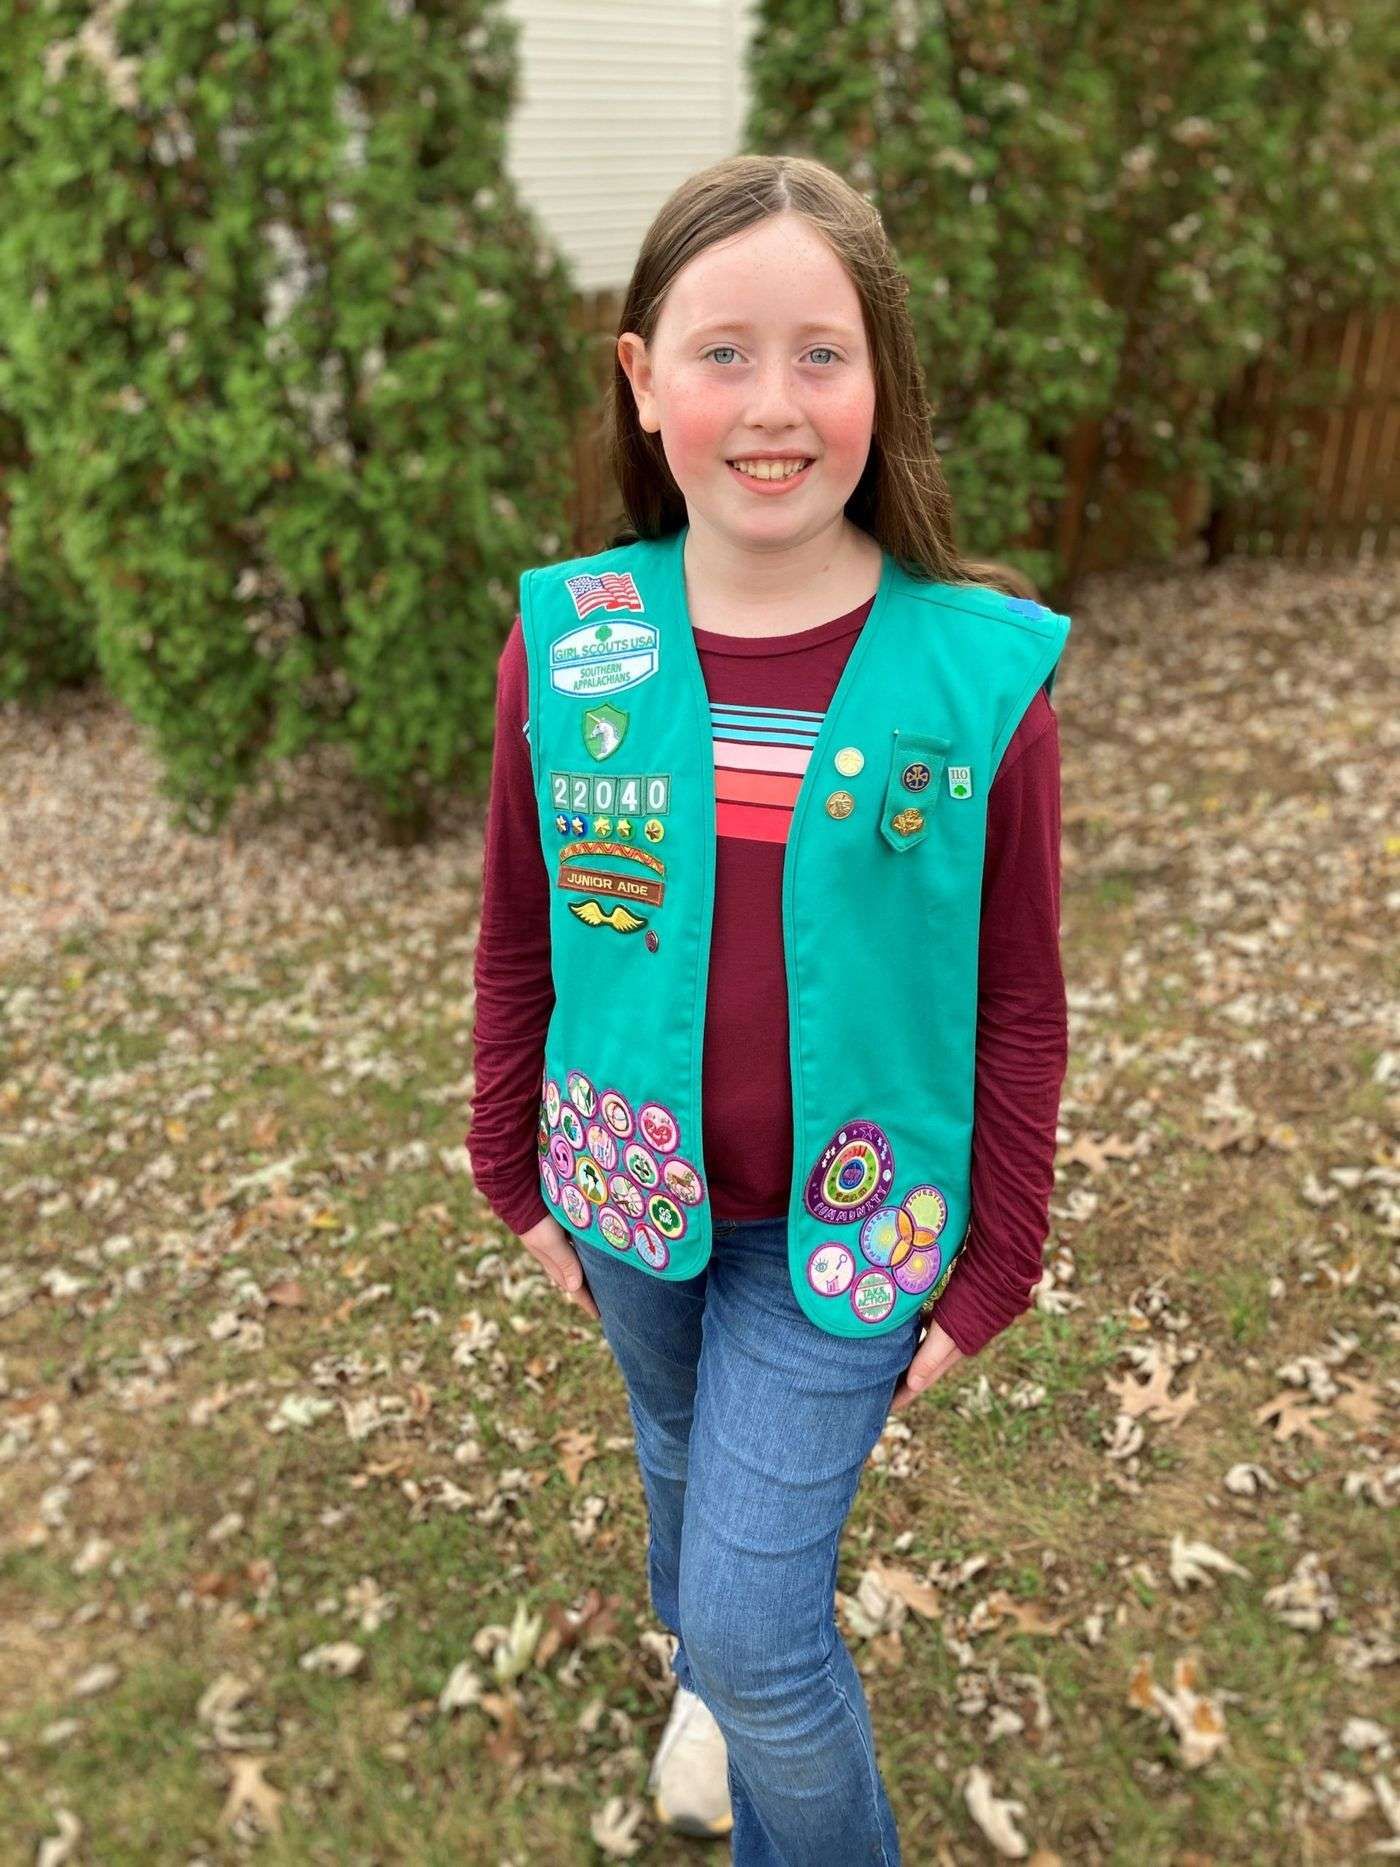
(752, 1427)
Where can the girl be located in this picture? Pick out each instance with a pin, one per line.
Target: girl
(770, 1016)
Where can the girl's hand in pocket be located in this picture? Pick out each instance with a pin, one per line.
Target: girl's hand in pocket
(548, 1243)
(936, 1354)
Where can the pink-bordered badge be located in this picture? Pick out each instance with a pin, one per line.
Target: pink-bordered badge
(666, 1216)
(641, 1165)
(658, 1127)
(616, 1111)
(577, 1207)
(627, 1195)
(652, 1248)
(682, 1180)
(830, 1269)
(602, 1146)
(614, 1228)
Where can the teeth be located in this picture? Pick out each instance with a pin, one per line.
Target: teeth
(770, 469)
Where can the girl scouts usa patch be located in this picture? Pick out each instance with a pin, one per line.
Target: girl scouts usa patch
(603, 658)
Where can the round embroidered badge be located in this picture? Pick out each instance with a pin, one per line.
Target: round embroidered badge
(681, 1179)
(551, 1102)
(830, 1270)
(577, 1207)
(640, 1164)
(652, 1248)
(872, 1295)
(852, 1175)
(627, 1196)
(657, 1127)
(928, 1209)
(570, 1126)
(616, 1111)
(614, 1228)
(919, 1269)
(563, 1157)
(665, 1215)
(581, 1092)
(602, 1146)
(590, 1180)
(551, 1180)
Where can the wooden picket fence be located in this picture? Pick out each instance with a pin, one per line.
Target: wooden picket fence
(1317, 418)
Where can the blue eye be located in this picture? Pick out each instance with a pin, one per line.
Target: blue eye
(825, 349)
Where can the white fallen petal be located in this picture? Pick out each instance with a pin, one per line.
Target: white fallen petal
(1193, 1562)
(463, 1688)
(993, 1814)
(339, 1658)
(1246, 1480)
(1347, 1800)
(298, 1410)
(1388, 1798)
(614, 1827)
(54, 1850)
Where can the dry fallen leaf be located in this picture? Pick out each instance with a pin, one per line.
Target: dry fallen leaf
(1198, 1721)
(1150, 1399)
(1028, 1617)
(575, 1450)
(250, 1798)
(907, 1587)
(1293, 1416)
(1095, 1155)
(1362, 1404)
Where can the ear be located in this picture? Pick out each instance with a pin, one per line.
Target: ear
(636, 365)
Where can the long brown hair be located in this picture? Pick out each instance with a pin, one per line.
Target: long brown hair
(902, 499)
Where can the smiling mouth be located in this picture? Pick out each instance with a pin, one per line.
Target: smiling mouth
(769, 470)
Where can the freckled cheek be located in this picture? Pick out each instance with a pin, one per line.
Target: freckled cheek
(843, 425)
(695, 427)
(699, 422)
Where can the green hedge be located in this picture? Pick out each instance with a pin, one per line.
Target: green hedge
(300, 363)
(1105, 210)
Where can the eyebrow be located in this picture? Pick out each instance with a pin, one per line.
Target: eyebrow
(833, 325)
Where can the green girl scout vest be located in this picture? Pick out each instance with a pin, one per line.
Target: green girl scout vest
(882, 882)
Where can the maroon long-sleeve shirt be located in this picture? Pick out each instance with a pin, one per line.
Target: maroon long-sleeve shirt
(1022, 1029)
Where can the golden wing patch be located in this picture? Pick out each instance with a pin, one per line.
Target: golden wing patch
(619, 918)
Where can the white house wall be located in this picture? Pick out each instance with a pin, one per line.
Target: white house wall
(619, 100)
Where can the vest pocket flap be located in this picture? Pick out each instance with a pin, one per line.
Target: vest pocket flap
(916, 764)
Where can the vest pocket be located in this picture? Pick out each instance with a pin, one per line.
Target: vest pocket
(916, 765)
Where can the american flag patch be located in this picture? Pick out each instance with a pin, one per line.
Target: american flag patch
(613, 591)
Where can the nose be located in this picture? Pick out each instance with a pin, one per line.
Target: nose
(773, 402)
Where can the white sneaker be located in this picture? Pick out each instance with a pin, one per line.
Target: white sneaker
(689, 1776)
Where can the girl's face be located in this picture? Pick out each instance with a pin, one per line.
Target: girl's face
(759, 350)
